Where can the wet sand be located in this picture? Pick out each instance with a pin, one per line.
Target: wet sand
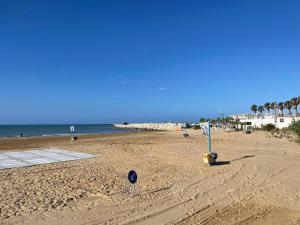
(256, 181)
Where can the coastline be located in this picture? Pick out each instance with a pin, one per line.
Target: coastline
(69, 135)
(18, 143)
(56, 130)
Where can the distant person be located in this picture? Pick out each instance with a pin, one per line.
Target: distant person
(21, 135)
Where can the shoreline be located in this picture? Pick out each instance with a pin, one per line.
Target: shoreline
(18, 143)
(16, 131)
(119, 131)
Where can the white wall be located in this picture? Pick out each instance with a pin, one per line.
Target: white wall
(279, 122)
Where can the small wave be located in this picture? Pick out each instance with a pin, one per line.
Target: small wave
(51, 135)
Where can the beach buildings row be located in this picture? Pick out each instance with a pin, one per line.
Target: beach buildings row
(259, 120)
(244, 120)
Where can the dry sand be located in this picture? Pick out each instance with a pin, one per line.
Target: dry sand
(257, 181)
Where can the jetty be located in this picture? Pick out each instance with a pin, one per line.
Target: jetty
(150, 126)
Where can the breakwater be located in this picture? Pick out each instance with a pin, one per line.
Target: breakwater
(150, 126)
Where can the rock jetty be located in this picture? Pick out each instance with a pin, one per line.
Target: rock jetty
(150, 126)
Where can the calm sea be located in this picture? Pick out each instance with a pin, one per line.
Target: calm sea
(56, 130)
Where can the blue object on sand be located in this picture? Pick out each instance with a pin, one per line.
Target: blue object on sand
(132, 176)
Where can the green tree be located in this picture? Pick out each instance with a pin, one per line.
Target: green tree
(267, 106)
(254, 108)
(288, 106)
(294, 102)
(273, 106)
(280, 106)
(295, 127)
(202, 120)
(260, 109)
(298, 101)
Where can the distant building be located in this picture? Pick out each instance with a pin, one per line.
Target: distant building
(257, 120)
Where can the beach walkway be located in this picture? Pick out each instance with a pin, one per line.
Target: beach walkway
(37, 157)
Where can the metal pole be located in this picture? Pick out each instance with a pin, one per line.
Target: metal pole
(275, 115)
(209, 141)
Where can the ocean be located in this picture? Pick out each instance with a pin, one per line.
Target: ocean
(56, 130)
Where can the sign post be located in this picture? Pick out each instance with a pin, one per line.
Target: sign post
(210, 157)
(132, 178)
(209, 140)
(72, 130)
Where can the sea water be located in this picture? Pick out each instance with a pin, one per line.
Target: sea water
(56, 130)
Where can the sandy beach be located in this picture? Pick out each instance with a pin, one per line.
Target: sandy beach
(256, 181)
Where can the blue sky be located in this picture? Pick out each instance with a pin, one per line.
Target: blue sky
(113, 61)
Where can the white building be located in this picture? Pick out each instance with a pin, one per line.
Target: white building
(258, 120)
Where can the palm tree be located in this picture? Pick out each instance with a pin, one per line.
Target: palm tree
(267, 107)
(288, 106)
(254, 108)
(281, 107)
(298, 101)
(295, 103)
(273, 107)
(202, 120)
(260, 109)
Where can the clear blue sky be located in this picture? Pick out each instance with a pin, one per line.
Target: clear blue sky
(112, 61)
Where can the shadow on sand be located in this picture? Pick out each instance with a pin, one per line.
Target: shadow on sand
(244, 157)
(220, 163)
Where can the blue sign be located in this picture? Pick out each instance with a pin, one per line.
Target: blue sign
(132, 176)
